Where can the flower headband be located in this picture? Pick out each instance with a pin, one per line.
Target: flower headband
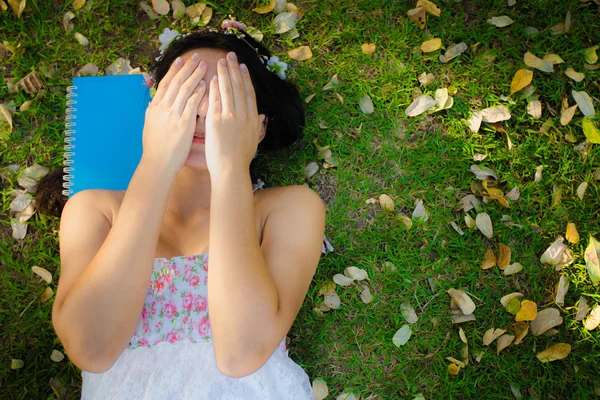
(228, 27)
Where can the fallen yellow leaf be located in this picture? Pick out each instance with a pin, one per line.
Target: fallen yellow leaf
(430, 7)
(301, 53)
(504, 255)
(453, 369)
(431, 45)
(265, 9)
(528, 311)
(572, 235)
(521, 80)
(554, 352)
(489, 261)
(576, 76)
(590, 131)
(418, 16)
(537, 63)
(368, 48)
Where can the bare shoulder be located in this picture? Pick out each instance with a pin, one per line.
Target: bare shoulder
(103, 200)
(290, 196)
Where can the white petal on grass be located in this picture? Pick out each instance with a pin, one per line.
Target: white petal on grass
(402, 335)
(584, 102)
(420, 105)
(420, 212)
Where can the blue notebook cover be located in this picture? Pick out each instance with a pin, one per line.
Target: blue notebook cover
(104, 135)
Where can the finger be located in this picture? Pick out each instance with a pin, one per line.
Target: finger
(190, 84)
(239, 95)
(249, 91)
(164, 82)
(189, 112)
(225, 88)
(178, 80)
(214, 98)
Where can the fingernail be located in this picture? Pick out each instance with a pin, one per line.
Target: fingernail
(232, 56)
(178, 61)
(196, 57)
(214, 78)
(222, 62)
(202, 64)
(243, 68)
(202, 83)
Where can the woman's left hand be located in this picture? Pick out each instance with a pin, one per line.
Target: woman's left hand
(233, 125)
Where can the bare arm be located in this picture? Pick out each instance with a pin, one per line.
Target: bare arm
(99, 302)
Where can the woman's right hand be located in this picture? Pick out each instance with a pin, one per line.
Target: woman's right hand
(170, 119)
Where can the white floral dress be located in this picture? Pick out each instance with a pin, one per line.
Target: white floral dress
(171, 355)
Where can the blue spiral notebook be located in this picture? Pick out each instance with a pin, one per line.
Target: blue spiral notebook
(103, 136)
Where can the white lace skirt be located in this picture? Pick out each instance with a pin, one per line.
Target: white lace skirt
(188, 370)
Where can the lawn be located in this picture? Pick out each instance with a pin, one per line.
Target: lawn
(427, 157)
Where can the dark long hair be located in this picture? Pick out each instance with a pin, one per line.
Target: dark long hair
(278, 99)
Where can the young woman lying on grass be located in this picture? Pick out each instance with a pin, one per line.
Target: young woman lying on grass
(138, 282)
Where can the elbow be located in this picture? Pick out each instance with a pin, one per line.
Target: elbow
(239, 367)
(82, 353)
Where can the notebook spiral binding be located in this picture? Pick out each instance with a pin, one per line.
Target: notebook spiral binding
(69, 137)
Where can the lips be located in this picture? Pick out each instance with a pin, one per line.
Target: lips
(199, 135)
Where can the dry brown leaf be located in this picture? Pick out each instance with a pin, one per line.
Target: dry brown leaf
(506, 299)
(495, 114)
(463, 337)
(534, 108)
(67, 24)
(581, 190)
(77, 4)
(420, 105)
(429, 7)
(284, 22)
(553, 58)
(537, 63)
(492, 334)
(265, 9)
(366, 105)
(504, 341)
(431, 45)
(584, 102)
(460, 318)
(582, 308)
(453, 51)
(576, 76)
(572, 235)
(405, 220)
(554, 352)
(593, 320)
(467, 306)
(301, 53)
(512, 269)
(469, 221)
(46, 294)
(522, 78)
(545, 319)
(418, 16)
(42, 273)
(489, 260)
(561, 290)
(527, 312)
(6, 116)
(484, 224)
(368, 48)
(386, 202)
(520, 329)
(17, 6)
(453, 369)
(567, 115)
(504, 255)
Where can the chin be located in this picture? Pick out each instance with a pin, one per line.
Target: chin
(196, 161)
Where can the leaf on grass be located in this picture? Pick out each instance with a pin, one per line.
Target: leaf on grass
(161, 6)
(475, 122)
(87, 70)
(576, 76)
(402, 335)
(495, 114)
(365, 295)
(456, 228)
(489, 260)
(520, 329)
(342, 280)
(584, 102)
(453, 51)
(311, 169)
(420, 212)
(67, 24)
(513, 306)
(554, 352)
(501, 21)
(504, 255)
(420, 105)
(512, 269)
(545, 320)
(46, 294)
(534, 108)
(426, 79)
(57, 356)
(319, 386)
(538, 174)
(527, 312)
(430, 7)
(408, 313)
(504, 341)
(453, 369)
(492, 334)
(505, 300)
(356, 273)
(386, 202)
(460, 318)
(581, 190)
(469, 221)
(558, 254)
(431, 45)
(582, 309)
(593, 320)
(484, 224)
(266, 8)
(405, 220)
(514, 194)
(567, 115)
(590, 55)
(463, 337)
(81, 39)
(482, 173)
(42, 273)
(464, 302)
(332, 300)
(418, 16)
(553, 58)
(530, 31)
(561, 290)
(178, 9)
(368, 48)
(366, 105)
(590, 131)
(17, 6)
(572, 235)
(592, 256)
(16, 364)
(537, 63)
(301, 53)
(285, 22)
(479, 157)
(521, 80)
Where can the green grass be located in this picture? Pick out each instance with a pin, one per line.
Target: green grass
(426, 157)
